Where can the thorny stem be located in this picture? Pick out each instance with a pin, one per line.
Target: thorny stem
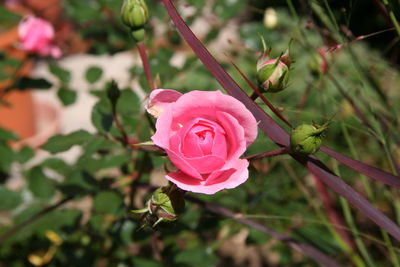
(146, 66)
(30, 220)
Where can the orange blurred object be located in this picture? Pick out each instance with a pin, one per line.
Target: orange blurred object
(17, 115)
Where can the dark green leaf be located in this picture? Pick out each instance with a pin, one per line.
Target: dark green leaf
(9, 199)
(197, 257)
(107, 202)
(67, 96)
(93, 74)
(60, 143)
(78, 183)
(24, 154)
(57, 165)
(39, 184)
(25, 83)
(6, 135)
(102, 117)
(62, 74)
(6, 157)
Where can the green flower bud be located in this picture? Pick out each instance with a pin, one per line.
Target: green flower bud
(165, 204)
(134, 14)
(273, 74)
(306, 138)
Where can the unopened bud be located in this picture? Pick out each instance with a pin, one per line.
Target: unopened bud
(166, 204)
(306, 138)
(135, 15)
(273, 74)
(318, 63)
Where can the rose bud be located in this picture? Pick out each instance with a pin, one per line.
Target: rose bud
(165, 204)
(306, 138)
(318, 63)
(135, 15)
(273, 74)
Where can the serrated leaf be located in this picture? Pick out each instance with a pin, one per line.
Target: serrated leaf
(93, 74)
(60, 143)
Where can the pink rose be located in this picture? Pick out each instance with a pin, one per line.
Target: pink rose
(36, 36)
(204, 134)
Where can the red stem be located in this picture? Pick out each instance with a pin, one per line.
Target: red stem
(276, 152)
(146, 66)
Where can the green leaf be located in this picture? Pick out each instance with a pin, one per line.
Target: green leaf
(57, 165)
(62, 74)
(60, 143)
(93, 74)
(108, 161)
(39, 184)
(67, 96)
(7, 135)
(102, 117)
(24, 154)
(107, 202)
(9, 199)
(25, 83)
(79, 183)
(127, 232)
(6, 157)
(7, 17)
(197, 257)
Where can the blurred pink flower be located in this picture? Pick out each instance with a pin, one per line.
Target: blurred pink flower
(204, 135)
(37, 36)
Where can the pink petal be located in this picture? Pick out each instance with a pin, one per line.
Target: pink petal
(159, 99)
(182, 164)
(234, 135)
(163, 129)
(203, 104)
(219, 147)
(221, 179)
(206, 164)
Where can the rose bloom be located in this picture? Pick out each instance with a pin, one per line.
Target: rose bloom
(204, 134)
(36, 36)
